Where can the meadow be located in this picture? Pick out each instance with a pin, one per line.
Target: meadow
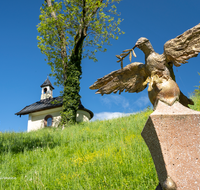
(109, 154)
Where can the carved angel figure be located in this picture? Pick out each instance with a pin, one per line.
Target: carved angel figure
(157, 70)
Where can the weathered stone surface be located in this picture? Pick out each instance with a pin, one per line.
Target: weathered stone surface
(172, 134)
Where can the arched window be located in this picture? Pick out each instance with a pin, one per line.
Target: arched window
(45, 90)
(48, 121)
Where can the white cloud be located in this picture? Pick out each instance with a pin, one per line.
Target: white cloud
(142, 101)
(109, 115)
(115, 99)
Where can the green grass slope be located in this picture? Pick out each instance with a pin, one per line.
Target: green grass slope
(97, 155)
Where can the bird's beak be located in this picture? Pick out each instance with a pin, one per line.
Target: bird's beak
(134, 46)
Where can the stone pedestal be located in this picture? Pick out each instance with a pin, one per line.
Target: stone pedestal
(172, 134)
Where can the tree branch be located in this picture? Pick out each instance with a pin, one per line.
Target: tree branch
(95, 10)
(82, 31)
(61, 34)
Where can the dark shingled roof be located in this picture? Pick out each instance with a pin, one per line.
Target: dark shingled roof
(47, 104)
(47, 83)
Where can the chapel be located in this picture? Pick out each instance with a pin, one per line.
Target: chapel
(46, 111)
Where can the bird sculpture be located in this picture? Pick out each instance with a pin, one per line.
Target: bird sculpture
(157, 70)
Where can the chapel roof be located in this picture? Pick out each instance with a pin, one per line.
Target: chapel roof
(47, 83)
(48, 103)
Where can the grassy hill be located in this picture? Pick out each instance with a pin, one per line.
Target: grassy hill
(98, 155)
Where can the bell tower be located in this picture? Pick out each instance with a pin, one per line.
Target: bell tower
(47, 89)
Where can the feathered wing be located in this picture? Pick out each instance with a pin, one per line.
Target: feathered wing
(130, 78)
(183, 47)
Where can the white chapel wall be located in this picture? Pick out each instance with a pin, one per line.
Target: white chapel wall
(36, 119)
(82, 116)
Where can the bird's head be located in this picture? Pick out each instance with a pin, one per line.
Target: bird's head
(141, 42)
(144, 44)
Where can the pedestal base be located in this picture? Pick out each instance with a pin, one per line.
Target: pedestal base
(172, 134)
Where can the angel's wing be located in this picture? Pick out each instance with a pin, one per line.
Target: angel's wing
(130, 78)
(183, 47)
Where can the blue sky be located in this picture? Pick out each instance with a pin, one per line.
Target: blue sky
(23, 68)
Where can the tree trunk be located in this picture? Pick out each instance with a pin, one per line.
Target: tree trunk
(71, 68)
(71, 97)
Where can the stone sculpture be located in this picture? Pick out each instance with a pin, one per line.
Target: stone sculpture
(172, 131)
(157, 70)
(172, 135)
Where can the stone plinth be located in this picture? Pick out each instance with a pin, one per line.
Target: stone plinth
(172, 134)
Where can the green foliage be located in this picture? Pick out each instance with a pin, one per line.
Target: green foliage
(66, 29)
(97, 155)
(101, 27)
(196, 98)
(71, 97)
(197, 91)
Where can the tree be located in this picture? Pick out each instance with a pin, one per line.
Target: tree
(197, 91)
(66, 29)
